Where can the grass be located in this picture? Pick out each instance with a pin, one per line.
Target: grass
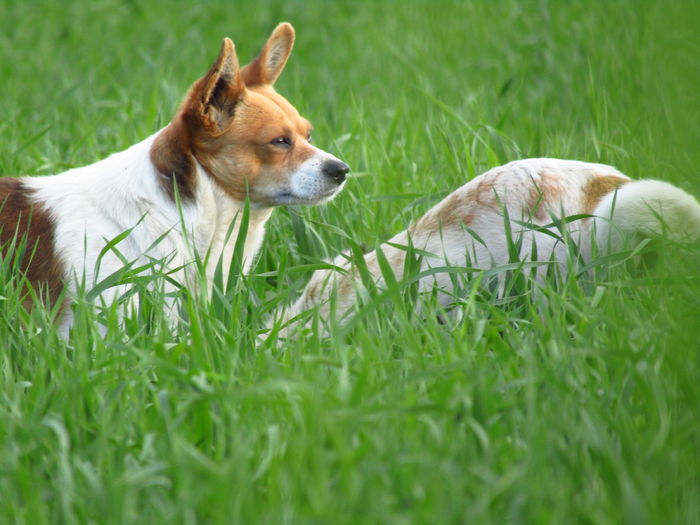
(585, 412)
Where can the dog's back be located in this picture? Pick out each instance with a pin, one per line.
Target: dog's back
(517, 207)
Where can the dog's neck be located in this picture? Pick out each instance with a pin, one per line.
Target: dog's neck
(217, 225)
(212, 220)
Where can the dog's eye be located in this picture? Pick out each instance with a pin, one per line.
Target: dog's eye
(308, 138)
(283, 142)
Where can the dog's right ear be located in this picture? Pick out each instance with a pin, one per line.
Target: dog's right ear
(268, 65)
(213, 98)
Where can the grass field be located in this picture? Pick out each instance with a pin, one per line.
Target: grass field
(587, 412)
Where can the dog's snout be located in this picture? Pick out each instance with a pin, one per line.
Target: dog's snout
(336, 170)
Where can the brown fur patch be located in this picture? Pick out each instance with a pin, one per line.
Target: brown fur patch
(485, 193)
(457, 209)
(171, 154)
(344, 284)
(598, 187)
(545, 193)
(21, 219)
(311, 293)
(396, 258)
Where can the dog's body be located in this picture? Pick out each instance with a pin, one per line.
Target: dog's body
(179, 191)
(469, 227)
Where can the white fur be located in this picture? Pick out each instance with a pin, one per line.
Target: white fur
(648, 208)
(308, 184)
(636, 209)
(94, 204)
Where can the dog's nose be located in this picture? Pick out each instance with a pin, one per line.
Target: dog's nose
(336, 170)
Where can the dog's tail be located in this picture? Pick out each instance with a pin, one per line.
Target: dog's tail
(646, 209)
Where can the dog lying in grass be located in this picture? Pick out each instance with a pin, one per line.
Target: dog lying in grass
(527, 211)
(178, 195)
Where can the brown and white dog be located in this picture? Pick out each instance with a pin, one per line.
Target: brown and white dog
(179, 190)
(470, 228)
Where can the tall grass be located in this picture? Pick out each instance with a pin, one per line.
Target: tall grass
(586, 409)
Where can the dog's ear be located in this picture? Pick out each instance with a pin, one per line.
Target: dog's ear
(213, 98)
(268, 65)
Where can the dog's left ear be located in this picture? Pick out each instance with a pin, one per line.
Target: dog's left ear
(268, 65)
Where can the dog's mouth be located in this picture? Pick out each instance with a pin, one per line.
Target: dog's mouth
(287, 198)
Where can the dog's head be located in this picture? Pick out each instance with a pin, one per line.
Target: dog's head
(246, 136)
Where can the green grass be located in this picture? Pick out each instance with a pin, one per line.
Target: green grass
(587, 411)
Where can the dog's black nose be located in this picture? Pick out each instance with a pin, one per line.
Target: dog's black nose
(336, 170)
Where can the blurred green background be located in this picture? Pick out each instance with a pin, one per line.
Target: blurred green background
(588, 414)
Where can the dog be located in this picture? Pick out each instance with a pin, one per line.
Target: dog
(233, 140)
(538, 207)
